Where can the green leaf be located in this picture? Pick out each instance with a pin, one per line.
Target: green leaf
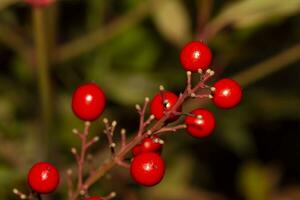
(172, 21)
(253, 181)
(256, 12)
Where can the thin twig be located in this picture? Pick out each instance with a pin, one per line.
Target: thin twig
(143, 133)
(170, 129)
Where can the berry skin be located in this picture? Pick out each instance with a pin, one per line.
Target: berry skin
(137, 149)
(88, 102)
(227, 94)
(43, 178)
(163, 102)
(201, 125)
(151, 145)
(39, 3)
(148, 145)
(195, 55)
(147, 169)
(93, 198)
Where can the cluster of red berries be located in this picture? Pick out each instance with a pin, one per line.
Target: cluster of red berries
(226, 93)
(147, 166)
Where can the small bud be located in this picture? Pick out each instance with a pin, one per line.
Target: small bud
(69, 172)
(208, 71)
(212, 89)
(212, 73)
(156, 140)
(15, 191)
(138, 107)
(210, 96)
(147, 99)
(87, 123)
(149, 132)
(75, 131)
(193, 95)
(113, 145)
(113, 194)
(160, 141)
(188, 73)
(73, 150)
(199, 116)
(123, 131)
(200, 71)
(114, 123)
(96, 139)
(105, 120)
(161, 88)
(23, 196)
(152, 117)
(82, 192)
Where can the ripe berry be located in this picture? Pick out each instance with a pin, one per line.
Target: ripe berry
(39, 3)
(200, 125)
(147, 169)
(93, 198)
(137, 149)
(163, 102)
(227, 94)
(151, 145)
(88, 102)
(43, 178)
(148, 145)
(195, 55)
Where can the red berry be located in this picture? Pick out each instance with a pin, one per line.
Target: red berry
(148, 145)
(137, 149)
(93, 198)
(43, 178)
(147, 169)
(151, 145)
(39, 3)
(195, 55)
(228, 93)
(202, 124)
(88, 102)
(163, 102)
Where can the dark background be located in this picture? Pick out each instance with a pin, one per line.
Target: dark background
(130, 47)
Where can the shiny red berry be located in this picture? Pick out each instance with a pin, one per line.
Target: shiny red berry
(137, 149)
(227, 94)
(147, 169)
(151, 145)
(43, 178)
(93, 198)
(200, 124)
(88, 102)
(148, 145)
(39, 3)
(195, 55)
(163, 102)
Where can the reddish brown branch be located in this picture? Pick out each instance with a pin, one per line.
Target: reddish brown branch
(157, 127)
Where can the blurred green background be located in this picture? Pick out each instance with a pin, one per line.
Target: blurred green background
(130, 47)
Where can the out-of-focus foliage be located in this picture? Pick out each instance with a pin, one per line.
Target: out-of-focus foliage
(254, 152)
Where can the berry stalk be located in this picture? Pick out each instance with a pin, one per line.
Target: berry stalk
(142, 133)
